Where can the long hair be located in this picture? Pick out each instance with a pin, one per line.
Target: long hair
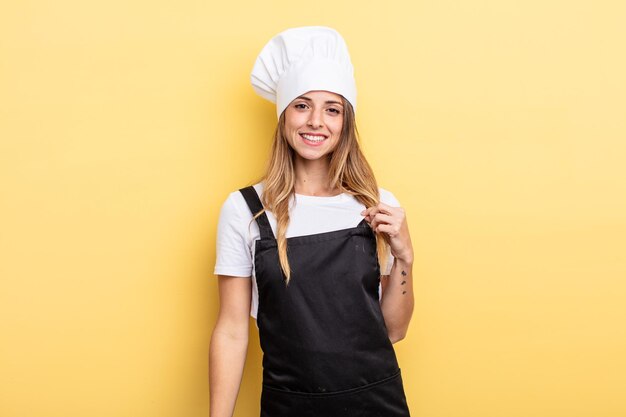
(349, 171)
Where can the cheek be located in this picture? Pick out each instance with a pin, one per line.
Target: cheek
(336, 127)
(295, 119)
(291, 129)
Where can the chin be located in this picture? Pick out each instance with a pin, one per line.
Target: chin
(312, 157)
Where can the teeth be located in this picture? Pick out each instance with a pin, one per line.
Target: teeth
(313, 138)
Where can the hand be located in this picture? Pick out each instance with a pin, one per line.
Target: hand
(391, 223)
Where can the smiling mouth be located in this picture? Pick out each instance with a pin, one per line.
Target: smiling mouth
(313, 138)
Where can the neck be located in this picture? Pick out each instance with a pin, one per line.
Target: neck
(312, 177)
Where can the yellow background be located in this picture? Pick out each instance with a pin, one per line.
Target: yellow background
(499, 125)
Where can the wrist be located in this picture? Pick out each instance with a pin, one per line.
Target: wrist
(404, 260)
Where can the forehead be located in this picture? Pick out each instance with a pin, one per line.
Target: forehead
(321, 95)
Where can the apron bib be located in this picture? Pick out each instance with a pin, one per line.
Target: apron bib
(326, 351)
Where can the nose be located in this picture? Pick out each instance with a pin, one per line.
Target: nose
(315, 118)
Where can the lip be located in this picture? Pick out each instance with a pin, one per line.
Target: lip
(314, 134)
(311, 143)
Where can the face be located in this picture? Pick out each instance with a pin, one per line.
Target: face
(313, 124)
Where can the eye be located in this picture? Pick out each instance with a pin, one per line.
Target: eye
(334, 110)
(300, 106)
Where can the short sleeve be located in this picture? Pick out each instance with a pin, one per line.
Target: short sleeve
(233, 256)
(388, 198)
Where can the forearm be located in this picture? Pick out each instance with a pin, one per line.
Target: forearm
(397, 299)
(227, 356)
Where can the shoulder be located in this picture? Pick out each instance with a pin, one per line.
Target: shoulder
(235, 206)
(388, 198)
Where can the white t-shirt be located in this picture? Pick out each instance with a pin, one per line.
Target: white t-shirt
(309, 215)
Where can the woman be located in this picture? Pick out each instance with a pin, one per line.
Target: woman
(310, 235)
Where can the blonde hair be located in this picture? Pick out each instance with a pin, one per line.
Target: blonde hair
(349, 171)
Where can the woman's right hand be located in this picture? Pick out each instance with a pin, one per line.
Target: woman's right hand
(229, 344)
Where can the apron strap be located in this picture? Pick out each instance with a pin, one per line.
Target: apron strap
(254, 203)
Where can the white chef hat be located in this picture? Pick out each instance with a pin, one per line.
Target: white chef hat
(303, 59)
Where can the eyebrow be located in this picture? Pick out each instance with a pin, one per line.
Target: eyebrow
(327, 101)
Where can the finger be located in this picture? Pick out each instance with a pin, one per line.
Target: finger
(379, 208)
(381, 218)
(390, 229)
(384, 218)
(385, 207)
(369, 213)
(374, 210)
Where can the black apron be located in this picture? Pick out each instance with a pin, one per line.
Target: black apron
(326, 352)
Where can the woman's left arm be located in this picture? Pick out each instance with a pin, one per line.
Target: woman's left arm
(397, 288)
